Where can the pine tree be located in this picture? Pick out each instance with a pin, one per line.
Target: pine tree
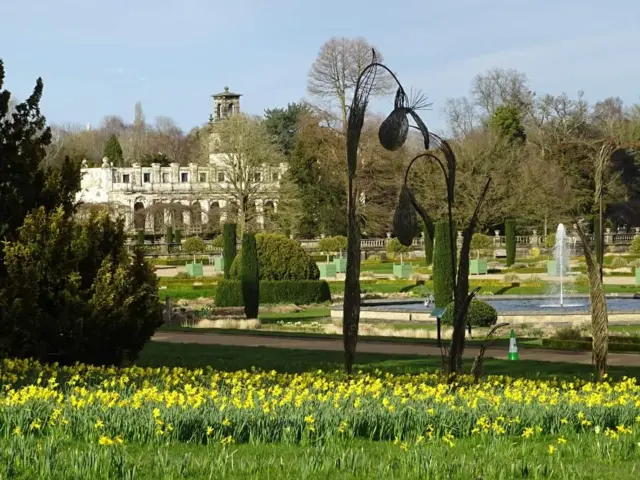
(229, 249)
(249, 276)
(510, 238)
(442, 274)
(113, 151)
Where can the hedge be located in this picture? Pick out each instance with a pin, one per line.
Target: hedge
(479, 314)
(616, 344)
(279, 258)
(304, 292)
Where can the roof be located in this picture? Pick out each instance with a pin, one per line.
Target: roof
(226, 93)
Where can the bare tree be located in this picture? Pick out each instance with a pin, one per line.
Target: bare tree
(246, 155)
(334, 73)
(169, 139)
(498, 87)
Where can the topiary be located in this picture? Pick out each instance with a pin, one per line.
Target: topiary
(480, 241)
(229, 250)
(510, 239)
(394, 247)
(442, 274)
(249, 276)
(193, 246)
(550, 241)
(479, 314)
(279, 258)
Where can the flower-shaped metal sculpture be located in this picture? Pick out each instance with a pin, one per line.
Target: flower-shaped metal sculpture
(393, 133)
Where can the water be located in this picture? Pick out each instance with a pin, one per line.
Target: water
(534, 306)
(561, 255)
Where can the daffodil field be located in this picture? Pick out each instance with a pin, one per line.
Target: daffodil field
(415, 421)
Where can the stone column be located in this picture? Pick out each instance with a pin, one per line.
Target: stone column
(156, 173)
(496, 238)
(175, 172)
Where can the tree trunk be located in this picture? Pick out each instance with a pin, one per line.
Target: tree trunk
(351, 309)
(460, 304)
(599, 314)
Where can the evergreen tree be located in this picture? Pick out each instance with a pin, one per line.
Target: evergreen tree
(442, 274)
(249, 276)
(113, 151)
(510, 238)
(507, 123)
(229, 250)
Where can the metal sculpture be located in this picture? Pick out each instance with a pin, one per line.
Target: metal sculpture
(393, 134)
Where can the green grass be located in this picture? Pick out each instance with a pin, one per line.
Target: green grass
(584, 457)
(232, 358)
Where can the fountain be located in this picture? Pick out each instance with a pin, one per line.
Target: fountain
(516, 309)
(560, 254)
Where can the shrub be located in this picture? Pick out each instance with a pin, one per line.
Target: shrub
(581, 280)
(619, 262)
(550, 241)
(229, 250)
(305, 292)
(76, 294)
(217, 242)
(569, 333)
(635, 245)
(194, 245)
(479, 314)
(480, 241)
(249, 276)
(442, 274)
(394, 247)
(280, 258)
(534, 252)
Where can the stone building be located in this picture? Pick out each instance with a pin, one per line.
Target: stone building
(195, 198)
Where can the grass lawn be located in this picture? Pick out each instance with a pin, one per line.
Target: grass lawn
(232, 358)
(485, 457)
(184, 289)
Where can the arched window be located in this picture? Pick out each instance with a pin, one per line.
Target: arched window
(139, 216)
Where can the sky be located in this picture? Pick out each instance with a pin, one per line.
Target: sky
(99, 58)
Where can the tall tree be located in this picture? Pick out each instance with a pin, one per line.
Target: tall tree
(246, 156)
(284, 124)
(333, 76)
(113, 151)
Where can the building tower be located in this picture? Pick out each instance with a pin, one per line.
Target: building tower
(225, 104)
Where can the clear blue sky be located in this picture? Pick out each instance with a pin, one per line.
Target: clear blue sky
(100, 57)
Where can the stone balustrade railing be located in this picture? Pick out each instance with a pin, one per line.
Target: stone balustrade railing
(380, 244)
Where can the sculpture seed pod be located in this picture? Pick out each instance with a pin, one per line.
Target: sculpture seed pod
(394, 130)
(405, 220)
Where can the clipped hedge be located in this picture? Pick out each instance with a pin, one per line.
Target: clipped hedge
(304, 292)
(479, 314)
(279, 258)
(616, 344)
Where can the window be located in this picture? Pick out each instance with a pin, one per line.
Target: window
(221, 176)
(146, 177)
(184, 177)
(125, 178)
(203, 177)
(256, 177)
(275, 176)
(166, 178)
